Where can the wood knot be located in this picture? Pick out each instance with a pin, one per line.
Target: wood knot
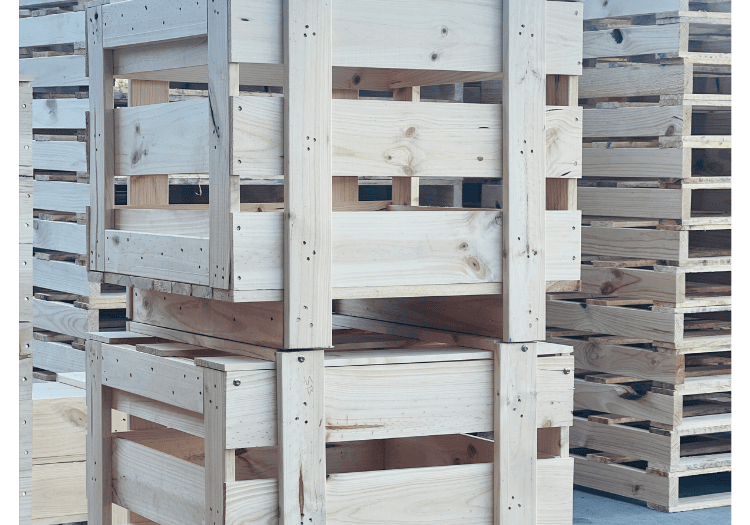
(410, 132)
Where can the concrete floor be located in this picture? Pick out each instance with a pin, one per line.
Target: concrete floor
(592, 507)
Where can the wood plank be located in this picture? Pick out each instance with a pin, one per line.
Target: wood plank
(62, 113)
(59, 492)
(621, 480)
(635, 162)
(635, 40)
(626, 360)
(60, 155)
(615, 320)
(301, 411)
(60, 71)
(621, 399)
(129, 24)
(474, 231)
(140, 472)
(101, 148)
(515, 461)
(259, 323)
(524, 163)
(634, 242)
(634, 202)
(634, 79)
(219, 462)
(169, 257)
(61, 276)
(621, 439)
(61, 236)
(223, 83)
(357, 497)
(634, 122)
(158, 412)
(59, 424)
(58, 357)
(609, 9)
(65, 28)
(307, 185)
(62, 318)
(98, 437)
(61, 196)
(167, 380)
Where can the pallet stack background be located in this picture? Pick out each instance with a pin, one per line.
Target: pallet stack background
(652, 326)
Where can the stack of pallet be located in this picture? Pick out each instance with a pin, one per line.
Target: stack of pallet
(652, 325)
(326, 358)
(66, 306)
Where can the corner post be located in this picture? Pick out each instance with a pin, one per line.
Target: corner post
(219, 461)
(523, 256)
(101, 139)
(98, 439)
(224, 194)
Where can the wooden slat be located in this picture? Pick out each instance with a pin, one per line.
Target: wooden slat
(61, 276)
(61, 318)
(64, 113)
(424, 140)
(59, 492)
(62, 236)
(161, 379)
(61, 71)
(139, 473)
(635, 40)
(98, 438)
(634, 122)
(169, 257)
(61, 196)
(60, 155)
(58, 357)
(307, 183)
(135, 23)
(594, 9)
(65, 28)
(635, 242)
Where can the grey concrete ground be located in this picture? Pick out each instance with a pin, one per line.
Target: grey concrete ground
(591, 507)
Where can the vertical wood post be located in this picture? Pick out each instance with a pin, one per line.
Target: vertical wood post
(524, 152)
(219, 462)
(98, 439)
(302, 440)
(523, 252)
(223, 83)
(307, 174)
(101, 139)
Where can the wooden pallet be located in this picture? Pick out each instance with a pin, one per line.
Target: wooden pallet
(647, 280)
(368, 452)
(678, 328)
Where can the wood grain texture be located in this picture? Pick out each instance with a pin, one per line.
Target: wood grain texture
(307, 166)
(60, 113)
(61, 196)
(102, 145)
(219, 463)
(164, 21)
(302, 437)
(98, 438)
(60, 236)
(524, 155)
(635, 40)
(60, 71)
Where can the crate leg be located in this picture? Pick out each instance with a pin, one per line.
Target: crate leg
(219, 462)
(98, 439)
(301, 436)
(515, 434)
(405, 190)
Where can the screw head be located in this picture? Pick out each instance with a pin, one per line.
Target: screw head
(236, 382)
(566, 371)
(301, 359)
(525, 348)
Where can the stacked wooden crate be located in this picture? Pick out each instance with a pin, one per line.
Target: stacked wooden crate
(25, 205)
(326, 359)
(66, 306)
(652, 325)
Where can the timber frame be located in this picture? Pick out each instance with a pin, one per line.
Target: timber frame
(277, 283)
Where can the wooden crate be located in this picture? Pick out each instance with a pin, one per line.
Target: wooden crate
(186, 251)
(260, 278)
(392, 421)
